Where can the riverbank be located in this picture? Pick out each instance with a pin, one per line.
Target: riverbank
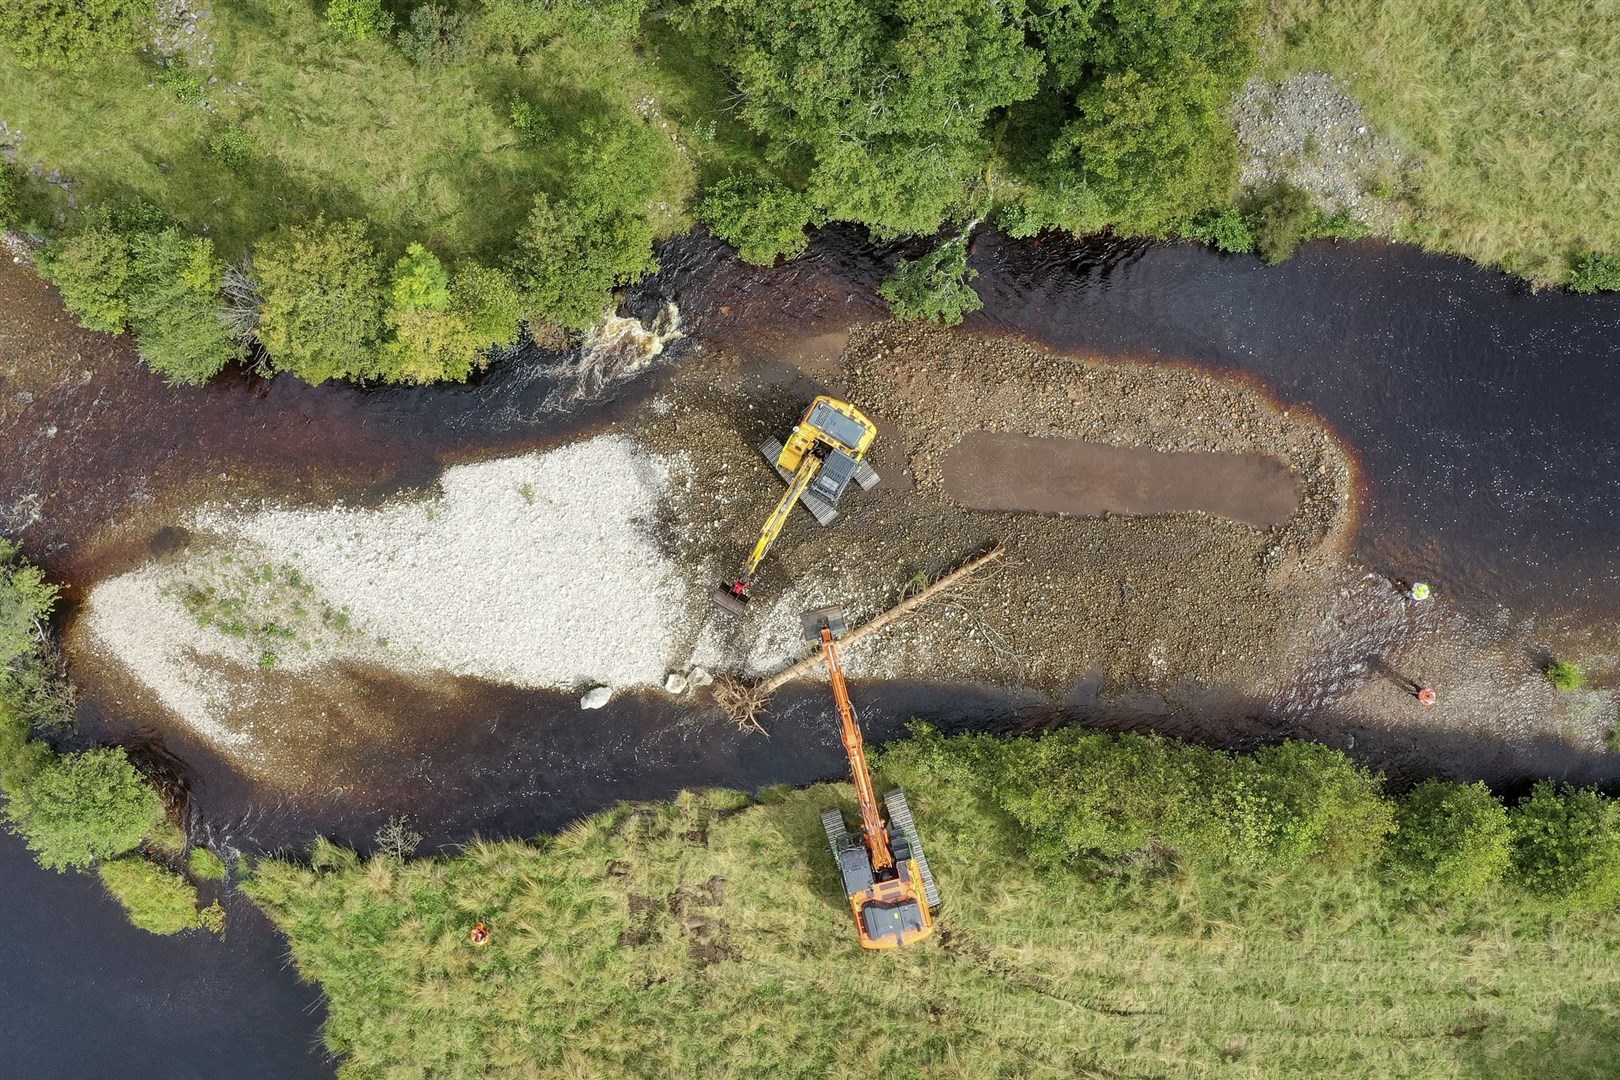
(642, 941)
(1487, 134)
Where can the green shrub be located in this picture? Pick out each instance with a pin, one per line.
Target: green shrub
(574, 250)
(322, 300)
(1081, 793)
(357, 20)
(489, 303)
(1340, 226)
(419, 280)
(1130, 130)
(207, 866)
(1565, 675)
(9, 177)
(1282, 216)
(188, 84)
(1455, 837)
(882, 106)
(158, 901)
(26, 599)
(528, 24)
(1566, 848)
(83, 807)
(90, 265)
(429, 344)
(533, 126)
(175, 308)
(762, 218)
(1299, 803)
(1595, 273)
(32, 693)
(125, 269)
(51, 33)
(572, 254)
(435, 36)
(1225, 229)
(936, 287)
(234, 146)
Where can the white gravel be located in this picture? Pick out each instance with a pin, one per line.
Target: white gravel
(1309, 130)
(536, 571)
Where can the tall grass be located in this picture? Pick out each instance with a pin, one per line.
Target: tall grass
(350, 129)
(692, 939)
(1511, 109)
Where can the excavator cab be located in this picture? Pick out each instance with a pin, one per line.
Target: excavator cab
(822, 455)
(886, 879)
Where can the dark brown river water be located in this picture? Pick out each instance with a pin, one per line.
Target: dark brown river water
(1483, 415)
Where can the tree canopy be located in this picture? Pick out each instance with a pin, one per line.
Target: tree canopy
(323, 299)
(881, 106)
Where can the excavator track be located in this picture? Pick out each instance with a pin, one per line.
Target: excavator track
(900, 819)
(824, 512)
(837, 832)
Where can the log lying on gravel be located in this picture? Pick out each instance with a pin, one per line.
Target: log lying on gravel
(744, 702)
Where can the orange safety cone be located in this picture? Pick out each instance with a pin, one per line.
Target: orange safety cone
(480, 934)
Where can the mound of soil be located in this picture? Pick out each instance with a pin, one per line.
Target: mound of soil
(1154, 600)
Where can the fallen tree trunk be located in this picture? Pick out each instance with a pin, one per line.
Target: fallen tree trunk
(744, 702)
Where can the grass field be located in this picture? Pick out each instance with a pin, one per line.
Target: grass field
(1512, 108)
(349, 129)
(705, 938)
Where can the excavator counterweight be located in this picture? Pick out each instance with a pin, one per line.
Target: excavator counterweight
(886, 878)
(823, 454)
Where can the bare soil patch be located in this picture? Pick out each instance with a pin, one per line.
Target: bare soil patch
(1002, 471)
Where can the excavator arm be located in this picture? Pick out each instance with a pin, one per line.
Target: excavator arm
(877, 836)
(734, 595)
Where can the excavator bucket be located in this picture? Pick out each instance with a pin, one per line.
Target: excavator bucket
(728, 598)
(831, 617)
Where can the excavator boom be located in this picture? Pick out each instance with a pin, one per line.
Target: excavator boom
(887, 881)
(877, 836)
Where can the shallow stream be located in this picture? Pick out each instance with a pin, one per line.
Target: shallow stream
(1482, 414)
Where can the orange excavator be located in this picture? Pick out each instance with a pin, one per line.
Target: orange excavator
(891, 891)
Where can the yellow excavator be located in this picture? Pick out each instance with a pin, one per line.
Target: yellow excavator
(886, 878)
(823, 454)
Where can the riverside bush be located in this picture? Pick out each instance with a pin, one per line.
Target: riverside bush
(323, 300)
(1282, 216)
(126, 268)
(83, 807)
(937, 287)
(763, 218)
(157, 900)
(881, 106)
(1566, 846)
(1456, 838)
(1225, 229)
(1085, 795)
(71, 809)
(1595, 273)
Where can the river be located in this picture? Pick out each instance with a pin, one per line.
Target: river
(1481, 413)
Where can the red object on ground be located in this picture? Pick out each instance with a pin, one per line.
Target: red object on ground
(480, 934)
(1425, 696)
